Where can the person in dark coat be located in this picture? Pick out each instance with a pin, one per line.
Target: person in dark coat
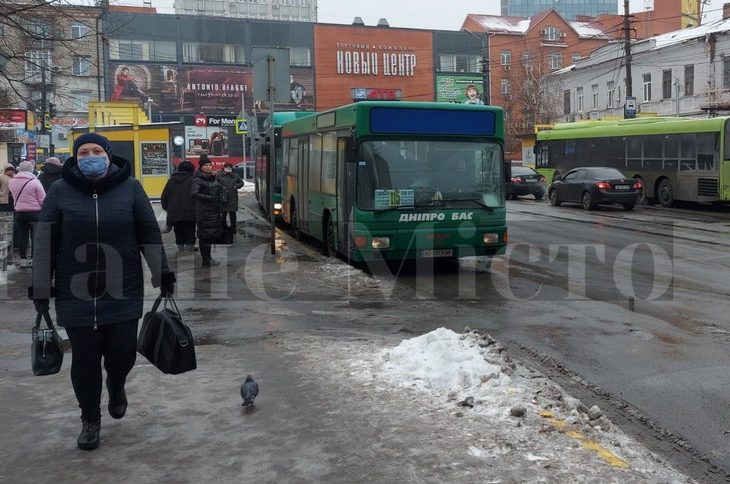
(51, 172)
(208, 213)
(177, 200)
(95, 226)
(230, 183)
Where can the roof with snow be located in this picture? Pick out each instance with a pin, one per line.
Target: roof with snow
(520, 25)
(683, 35)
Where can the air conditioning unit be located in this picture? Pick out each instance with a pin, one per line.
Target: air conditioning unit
(506, 68)
(543, 31)
(563, 34)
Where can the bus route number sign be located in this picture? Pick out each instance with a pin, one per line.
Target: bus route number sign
(394, 198)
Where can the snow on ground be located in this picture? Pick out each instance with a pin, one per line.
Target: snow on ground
(528, 427)
(247, 187)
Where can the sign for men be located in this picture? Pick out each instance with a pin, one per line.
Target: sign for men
(280, 82)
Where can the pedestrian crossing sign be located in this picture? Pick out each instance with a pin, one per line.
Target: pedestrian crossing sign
(241, 126)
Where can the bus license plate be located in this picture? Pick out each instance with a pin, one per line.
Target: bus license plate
(437, 253)
(622, 187)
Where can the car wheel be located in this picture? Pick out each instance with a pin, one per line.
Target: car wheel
(665, 193)
(587, 201)
(295, 223)
(629, 205)
(329, 246)
(553, 197)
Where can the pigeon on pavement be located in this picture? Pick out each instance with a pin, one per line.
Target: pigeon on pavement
(249, 390)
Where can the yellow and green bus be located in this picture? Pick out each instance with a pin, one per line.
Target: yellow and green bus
(675, 158)
(379, 180)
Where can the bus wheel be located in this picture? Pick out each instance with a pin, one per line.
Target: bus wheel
(329, 246)
(587, 201)
(553, 196)
(295, 223)
(665, 193)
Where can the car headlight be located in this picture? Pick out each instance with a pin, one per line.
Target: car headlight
(380, 242)
(490, 238)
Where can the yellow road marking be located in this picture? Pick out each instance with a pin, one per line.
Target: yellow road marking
(602, 452)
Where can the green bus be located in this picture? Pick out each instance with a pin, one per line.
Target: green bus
(383, 180)
(685, 159)
(263, 160)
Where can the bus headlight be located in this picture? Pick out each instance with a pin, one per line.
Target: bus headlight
(490, 238)
(380, 242)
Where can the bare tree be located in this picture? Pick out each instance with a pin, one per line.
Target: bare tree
(43, 45)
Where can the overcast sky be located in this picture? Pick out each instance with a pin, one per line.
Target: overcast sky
(424, 14)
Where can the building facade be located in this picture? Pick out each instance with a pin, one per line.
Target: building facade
(682, 73)
(289, 10)
(570, 9)
(53, 67)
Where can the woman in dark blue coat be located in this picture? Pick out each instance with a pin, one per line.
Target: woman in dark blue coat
(95, 226)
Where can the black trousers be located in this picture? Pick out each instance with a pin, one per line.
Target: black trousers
(231, 217)
(24, 222)
(184, 233)
(117, 343)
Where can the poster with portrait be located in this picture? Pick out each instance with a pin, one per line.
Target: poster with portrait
(459, 88)
(155, 160)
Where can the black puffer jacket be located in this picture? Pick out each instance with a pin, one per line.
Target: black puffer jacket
(208, 213)
(90, 239)
(49, 174)
(177, 198)
(230, 183)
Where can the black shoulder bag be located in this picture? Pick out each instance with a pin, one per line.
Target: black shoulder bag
(46, 350)
(165, 340)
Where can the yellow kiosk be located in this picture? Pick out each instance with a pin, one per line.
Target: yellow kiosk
(154, 149)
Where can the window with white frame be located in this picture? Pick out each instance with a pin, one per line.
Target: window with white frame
(646, 80)
(611, 89)
(506, 87)
(551, 33)
(527, 59)
(579, 99)
(555, 61)
(527, 87)
(689, 80)
(505, 57)
(79, 31)
(80, 101)
(81, 66)
(37, 64)
(594, 97)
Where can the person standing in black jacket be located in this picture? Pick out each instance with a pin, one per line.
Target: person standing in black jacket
(177, 200)
(208, 213)
(230, 183)
(51, 172)
(95, 225)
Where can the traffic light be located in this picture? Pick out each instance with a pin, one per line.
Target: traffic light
(51, 110)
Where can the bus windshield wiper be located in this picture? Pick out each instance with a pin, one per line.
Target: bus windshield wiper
(477, 201)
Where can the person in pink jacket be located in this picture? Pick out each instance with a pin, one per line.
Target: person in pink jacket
(28, 196)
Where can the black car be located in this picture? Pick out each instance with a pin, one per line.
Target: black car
(526, 181)
(591, 186)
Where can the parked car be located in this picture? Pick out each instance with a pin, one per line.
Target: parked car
(591, 186)
(526, 181)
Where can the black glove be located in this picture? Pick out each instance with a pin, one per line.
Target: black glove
(41, 305)
(167, 284)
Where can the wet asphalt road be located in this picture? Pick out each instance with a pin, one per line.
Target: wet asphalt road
(633, 303)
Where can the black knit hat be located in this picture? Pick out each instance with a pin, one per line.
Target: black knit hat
(93, 138)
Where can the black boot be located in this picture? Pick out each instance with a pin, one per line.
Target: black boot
(117, 400)
(89, 436)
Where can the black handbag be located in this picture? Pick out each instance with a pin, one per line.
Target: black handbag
(46, 349)
(165, 340)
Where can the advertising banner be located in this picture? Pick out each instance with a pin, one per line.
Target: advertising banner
(12, 118)
(459, 88)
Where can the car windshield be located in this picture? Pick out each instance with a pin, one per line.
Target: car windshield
(394, 174)
(605, 174)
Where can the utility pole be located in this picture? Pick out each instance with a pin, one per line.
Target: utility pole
(485, 71)
(627, 49)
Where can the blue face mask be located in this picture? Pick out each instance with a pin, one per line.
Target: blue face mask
(92, 166)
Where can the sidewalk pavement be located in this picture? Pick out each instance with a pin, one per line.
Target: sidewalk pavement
(345, 396)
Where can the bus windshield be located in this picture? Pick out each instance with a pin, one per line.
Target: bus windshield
(400, 174)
